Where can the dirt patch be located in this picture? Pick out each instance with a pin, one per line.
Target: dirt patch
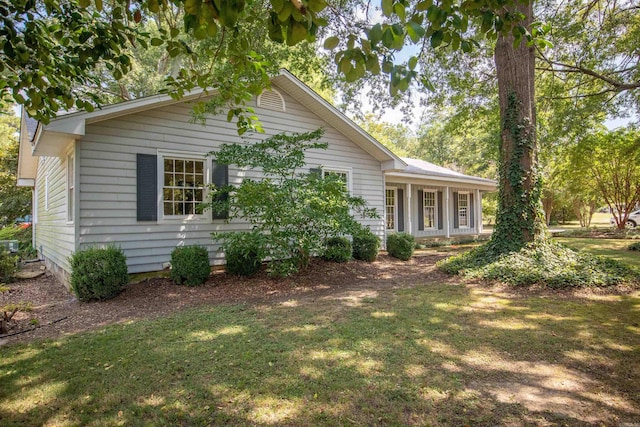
(56, 312)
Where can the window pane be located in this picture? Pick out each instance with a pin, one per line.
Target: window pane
(199, 180)
(168, 179)
(199, 167)
(168, 165)
(179, 208)
(188, 208)
(167, 194)
(168, 208)
(179, 165)
(198, 196)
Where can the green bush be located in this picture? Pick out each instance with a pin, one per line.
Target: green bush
(98, 273)
(401, 245)
(190, 265)
(634, 246)
(23, 236)
(337, 249)
(548, 264)
(244, 252)
(366, 245)
(8, 266)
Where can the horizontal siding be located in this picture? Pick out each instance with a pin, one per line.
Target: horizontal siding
(54, 236)
(107, 164)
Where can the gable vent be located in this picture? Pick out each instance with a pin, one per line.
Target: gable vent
(272, 100)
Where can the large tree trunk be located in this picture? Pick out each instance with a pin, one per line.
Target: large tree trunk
(520, 219)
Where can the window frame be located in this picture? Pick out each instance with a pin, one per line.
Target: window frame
(394, 206)
(71, 187)
(339, 170)
(466, 207)
(433, 191)
(206, 170)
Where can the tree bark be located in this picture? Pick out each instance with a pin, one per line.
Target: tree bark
(520, 219)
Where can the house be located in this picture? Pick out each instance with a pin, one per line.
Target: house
(131, 174)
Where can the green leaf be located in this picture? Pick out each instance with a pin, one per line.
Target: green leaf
(415, 31)
(375, 34)
(399, 9)
(192, 7)
(331, 42)
(424, 5)
(84, 3)
(98, 5)
(413, 62)
(277, 5)
(156, 42)
(387, 38)
(436, 38)
(387, 7)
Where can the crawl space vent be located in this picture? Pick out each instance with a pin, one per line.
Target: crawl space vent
(272, 100)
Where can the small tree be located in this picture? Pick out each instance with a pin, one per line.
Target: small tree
(296, 209)
(612, 161)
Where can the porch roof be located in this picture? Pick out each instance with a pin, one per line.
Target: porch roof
(422, 170)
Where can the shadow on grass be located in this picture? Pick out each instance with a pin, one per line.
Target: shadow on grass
(437, 354)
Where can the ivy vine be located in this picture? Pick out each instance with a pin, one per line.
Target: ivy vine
(520, 218)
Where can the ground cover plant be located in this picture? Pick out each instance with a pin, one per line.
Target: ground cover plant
(437, 354)
(549, 264)
(611, 248)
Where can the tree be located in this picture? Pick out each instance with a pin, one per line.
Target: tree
(612, 161)
(15, 201)
(295, 211)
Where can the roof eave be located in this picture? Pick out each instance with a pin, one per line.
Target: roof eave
(484, 184)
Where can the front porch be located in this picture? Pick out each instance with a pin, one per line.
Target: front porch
(433, 211)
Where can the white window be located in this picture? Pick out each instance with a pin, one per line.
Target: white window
(183, 188)
(343, 173)
(463, 210)
(70, 187)
(429, 206)
(390, 207)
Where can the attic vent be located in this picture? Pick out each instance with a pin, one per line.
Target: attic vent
(272, 100)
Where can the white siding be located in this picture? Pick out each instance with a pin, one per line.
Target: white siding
(54, 234)
(106, 160)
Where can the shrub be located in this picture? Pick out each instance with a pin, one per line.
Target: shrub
(634, 246)
(401, 245)
(338, 249)
(8, 265)
(244, 252)
(366, 245)
(98, 273)
(190, 265)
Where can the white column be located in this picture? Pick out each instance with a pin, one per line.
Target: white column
(447, 213)
(478, 214)
(384, 211)
(409, 213)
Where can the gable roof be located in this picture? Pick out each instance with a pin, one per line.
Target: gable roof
(50, 139)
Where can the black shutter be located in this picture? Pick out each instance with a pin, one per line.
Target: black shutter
(400, 204)
(220, 178)
(456, 223)
(471, 210)
(420, 210)
(440, 216)
(147, 187)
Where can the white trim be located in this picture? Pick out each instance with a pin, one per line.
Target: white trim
(70, 192)
(25, 182)
(447, 212)
(409, 217)
(46, 192)
(395, 208)
(196, 156)
(481, 183)
(337, 169)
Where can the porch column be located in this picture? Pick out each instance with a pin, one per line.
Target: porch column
(409, 213)
(478, 215)
(447, 213)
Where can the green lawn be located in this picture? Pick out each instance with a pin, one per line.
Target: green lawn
(439, 354)
(612, 248)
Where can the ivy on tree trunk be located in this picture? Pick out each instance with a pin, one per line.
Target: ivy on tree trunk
(520, 219)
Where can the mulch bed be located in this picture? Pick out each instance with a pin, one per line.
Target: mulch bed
(56, 312)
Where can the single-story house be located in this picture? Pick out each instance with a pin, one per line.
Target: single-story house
(131, 174)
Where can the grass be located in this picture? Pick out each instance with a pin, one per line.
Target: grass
(610, 248)
(432, 355)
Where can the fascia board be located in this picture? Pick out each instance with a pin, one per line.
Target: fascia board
(481, 183)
